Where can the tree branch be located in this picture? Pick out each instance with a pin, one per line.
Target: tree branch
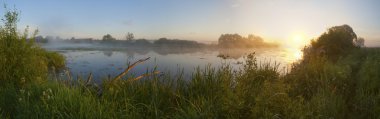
(118, 77)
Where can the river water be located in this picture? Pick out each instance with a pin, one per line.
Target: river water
(103, 63)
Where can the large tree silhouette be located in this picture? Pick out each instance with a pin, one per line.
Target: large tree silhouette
(108, 37)
(336, 42)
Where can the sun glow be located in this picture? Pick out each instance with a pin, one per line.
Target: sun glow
(295, 44)
(298, 41)
(297, 54)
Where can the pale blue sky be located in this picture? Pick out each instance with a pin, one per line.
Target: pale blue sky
(277, 20)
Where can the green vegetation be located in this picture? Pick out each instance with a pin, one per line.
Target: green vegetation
(22, 63)
(346, 86)
(237, 41)
(108, 37)
(164, 42)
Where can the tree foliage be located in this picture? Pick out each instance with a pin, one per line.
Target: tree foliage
(129, 36)
(235, 40)
(176, 42)
(359, 42)
(108, 37)
(336, 42)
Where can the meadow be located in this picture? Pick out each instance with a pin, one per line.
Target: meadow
(342, 82)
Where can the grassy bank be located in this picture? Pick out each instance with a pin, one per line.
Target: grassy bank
(347, 89)
(344, 86)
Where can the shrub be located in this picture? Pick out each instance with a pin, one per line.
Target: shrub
(55, 60)
(22, 62)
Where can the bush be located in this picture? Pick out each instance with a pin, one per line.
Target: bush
(22, 62)
(55, 60)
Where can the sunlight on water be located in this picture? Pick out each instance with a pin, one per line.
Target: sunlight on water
(107, 62)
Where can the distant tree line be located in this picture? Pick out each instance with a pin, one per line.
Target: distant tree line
(225, 40)
(235, 40)
(162, 42)
(175, 42)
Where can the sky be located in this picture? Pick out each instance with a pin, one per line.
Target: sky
(201, 20)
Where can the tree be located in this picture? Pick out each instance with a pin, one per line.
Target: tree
(49, 37)
(161, 41)
(337, 41)
(256, 39)
(359, 42)
(130, 36)
(40, 39)
(237, 41)
(229, 40)
(108, 37)
(142, 42)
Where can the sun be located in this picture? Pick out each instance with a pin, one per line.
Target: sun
(295, 44)
(298, 41)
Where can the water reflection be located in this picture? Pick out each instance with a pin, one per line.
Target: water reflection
(111, 62)
(108, 53)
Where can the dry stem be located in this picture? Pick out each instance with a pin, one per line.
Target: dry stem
(118, 77)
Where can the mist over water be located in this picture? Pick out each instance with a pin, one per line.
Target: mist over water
(107, 60)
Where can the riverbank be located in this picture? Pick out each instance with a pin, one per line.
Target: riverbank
(345, 89)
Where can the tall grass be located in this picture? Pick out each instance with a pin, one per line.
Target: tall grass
(22, 62)
(255, 91)
(211, 93)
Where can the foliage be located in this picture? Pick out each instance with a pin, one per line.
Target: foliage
(336, 42)
(335, 83)
(22, 62)
(55, 60)
(359, 42)
(40, 39)
(108, 37)
(176, 42)
(255, 91)
(235, 40)
(142, 42)
(129, 36)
